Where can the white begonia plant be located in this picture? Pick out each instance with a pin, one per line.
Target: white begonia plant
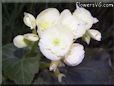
(75, 56)
(57, 32)
(46, 19)
(29, 20)
(55, 42)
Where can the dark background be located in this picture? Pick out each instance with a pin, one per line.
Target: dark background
(101, 59)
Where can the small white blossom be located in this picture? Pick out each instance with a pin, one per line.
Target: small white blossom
(85, 16)
(95, 34)
(75, 56)
(29, 20)
(19, 41)
(55, 42)
(46, 19)
(31, 37)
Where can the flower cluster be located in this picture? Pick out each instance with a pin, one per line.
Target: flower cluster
(56, 33)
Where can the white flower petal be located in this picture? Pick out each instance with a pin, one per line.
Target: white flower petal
(68, 20)
(95, 34)
(75, 55)
(31, 37)
(65, 13)
(46, 19)
(80, 31)
(19, 41)
(29, 20)
(48, 54)
(95, 20)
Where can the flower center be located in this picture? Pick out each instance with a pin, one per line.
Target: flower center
(44, 25)
(56, 41)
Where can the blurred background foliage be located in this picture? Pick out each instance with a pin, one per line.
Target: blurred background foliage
(12, 23)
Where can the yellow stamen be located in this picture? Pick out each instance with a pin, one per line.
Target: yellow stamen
(56, 41)
(44, 25)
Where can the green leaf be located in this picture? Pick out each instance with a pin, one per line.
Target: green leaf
(17, 67)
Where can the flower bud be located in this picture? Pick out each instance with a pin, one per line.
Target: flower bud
(19, 41)
(75, 55)
(54, 65)
(60, 77)
(31, 37)
(95, 34)
(29, 20)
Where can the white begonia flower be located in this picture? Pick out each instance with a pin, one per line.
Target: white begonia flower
(55, 42)
(19, 41)
(95, 34)
(46, 19)
(75, 56)
(85, 16)
(73, 24)
(29, 20)
(31, 37)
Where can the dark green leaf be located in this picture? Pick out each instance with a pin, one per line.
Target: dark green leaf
(17, 67)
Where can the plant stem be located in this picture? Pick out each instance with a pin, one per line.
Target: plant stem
(32, 49)
(44, 65)
(34, 31)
